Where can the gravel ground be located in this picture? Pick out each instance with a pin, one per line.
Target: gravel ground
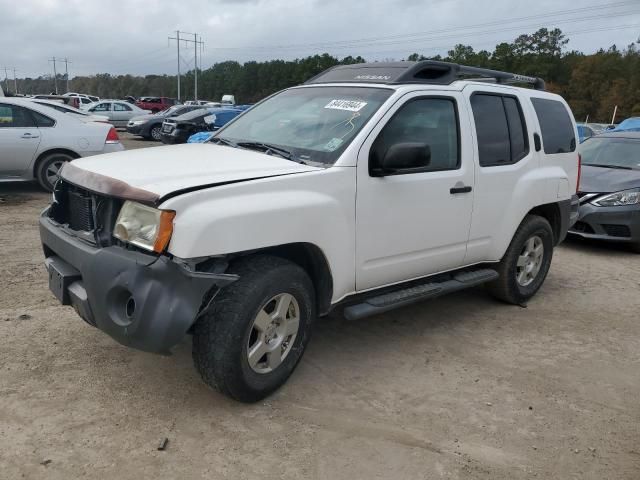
(461, 387)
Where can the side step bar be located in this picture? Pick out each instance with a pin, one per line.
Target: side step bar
(400, 298)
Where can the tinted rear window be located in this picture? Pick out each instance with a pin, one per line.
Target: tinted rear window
(558, 135)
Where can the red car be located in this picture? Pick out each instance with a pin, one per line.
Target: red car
(156, 104)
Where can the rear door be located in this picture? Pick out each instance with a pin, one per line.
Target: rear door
(19, 140)
(504, 157)
(121, 114)
(415, 223)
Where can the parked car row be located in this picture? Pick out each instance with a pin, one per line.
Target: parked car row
(179, 129)
(178, 123)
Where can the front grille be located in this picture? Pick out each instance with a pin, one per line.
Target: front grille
(91, 215)
(582, 227)
(80, 211)
(617, 230)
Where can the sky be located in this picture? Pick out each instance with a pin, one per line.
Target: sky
(118, 36)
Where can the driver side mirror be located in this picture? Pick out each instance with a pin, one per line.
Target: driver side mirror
(401, 158)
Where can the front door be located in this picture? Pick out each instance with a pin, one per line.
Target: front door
(19, 140)
(416, 222)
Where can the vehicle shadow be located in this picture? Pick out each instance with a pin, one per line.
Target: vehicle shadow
(20, 192)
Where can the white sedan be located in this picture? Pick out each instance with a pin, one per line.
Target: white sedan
(119, 112)
(36, 140)
(61, 107)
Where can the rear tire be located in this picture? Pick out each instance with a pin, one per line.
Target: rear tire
(269, 309)
(49, 167)
(526, 262)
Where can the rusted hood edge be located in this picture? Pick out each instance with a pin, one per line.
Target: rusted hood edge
(105, 185)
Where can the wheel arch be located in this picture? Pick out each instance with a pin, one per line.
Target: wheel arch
(311, 258)
(550, 212)
(51, 151)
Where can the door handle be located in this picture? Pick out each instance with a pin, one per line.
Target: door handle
(28, 136)
(463, 189)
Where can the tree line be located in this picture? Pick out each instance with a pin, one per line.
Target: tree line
(592, 84)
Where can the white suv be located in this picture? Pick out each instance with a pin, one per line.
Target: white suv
(370, 187)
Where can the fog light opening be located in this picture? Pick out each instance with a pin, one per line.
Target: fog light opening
(130, 307)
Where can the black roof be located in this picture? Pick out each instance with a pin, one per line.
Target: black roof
(427, 71)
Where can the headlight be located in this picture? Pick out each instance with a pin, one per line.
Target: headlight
(143, 226)
(618, 199)
(137, 122)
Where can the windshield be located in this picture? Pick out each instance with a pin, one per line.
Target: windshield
(611, 152)
(314, 124)
(172, 110)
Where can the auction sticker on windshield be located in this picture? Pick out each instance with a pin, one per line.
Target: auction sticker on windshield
(349, 105)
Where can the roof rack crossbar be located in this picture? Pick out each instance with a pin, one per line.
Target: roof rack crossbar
(427, 71)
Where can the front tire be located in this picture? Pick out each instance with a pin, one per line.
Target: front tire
(252, 337)
(48, 169)
(526, 262)
(156, 133)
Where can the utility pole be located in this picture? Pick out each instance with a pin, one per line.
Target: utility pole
(66, 72)
(6, 80)
(177, 38)
(195, 66)
(196, 43)
(55, 74)
(15, 81)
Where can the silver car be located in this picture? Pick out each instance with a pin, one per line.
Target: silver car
(118, 112)
(36, 140)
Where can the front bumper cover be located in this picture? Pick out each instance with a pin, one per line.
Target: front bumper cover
(143, 301)
(619, 224)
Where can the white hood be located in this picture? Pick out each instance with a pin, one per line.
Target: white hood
(163, 170)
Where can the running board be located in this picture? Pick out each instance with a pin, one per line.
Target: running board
(401, 298)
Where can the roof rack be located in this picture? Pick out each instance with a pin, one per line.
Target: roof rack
(427, 72)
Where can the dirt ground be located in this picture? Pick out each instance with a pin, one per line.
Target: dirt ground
(461, 387)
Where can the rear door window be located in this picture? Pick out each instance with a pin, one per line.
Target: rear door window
(500, 128)
(557, 131)
(42, 120)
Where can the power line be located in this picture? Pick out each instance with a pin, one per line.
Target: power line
(196, 44)
(352, 42)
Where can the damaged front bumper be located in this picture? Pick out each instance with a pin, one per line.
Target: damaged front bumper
(143, 301)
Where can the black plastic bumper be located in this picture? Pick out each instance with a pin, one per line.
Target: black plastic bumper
(618, 224)
(569, 211)
(142, 301)
(176, 136)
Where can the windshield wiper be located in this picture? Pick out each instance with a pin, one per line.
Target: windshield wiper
(268, 148)
(224, 141)
(617, 167)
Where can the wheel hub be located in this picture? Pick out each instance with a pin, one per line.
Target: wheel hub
(530, 261)
(273, 333)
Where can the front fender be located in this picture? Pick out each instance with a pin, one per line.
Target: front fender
(315, 207)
